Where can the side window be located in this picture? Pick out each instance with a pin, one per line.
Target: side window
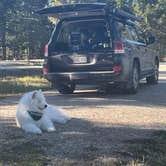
(124, 32)
(141, 36)
(127, 32)
(133, 33)
(130, 33)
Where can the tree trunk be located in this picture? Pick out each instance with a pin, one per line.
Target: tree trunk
(3, 33)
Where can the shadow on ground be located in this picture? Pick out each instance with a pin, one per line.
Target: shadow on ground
(148, 95)
(78, 140)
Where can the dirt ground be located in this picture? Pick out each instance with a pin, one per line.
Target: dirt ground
(101, 124)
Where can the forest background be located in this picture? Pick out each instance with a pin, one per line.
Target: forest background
(23, 33)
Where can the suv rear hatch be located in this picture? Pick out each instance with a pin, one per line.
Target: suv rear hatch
(81, 45)
(82, 40)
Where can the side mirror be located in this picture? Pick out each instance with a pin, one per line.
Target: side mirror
(150, 40)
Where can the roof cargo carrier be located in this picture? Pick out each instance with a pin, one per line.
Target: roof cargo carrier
(87, 9)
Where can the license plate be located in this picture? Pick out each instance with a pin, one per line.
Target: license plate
(79, 59)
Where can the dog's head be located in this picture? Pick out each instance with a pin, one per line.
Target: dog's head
(38, 101)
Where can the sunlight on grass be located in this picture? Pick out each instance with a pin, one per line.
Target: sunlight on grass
(136, 163)
(23, 84)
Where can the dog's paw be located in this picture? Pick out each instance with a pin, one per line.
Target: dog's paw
(51, 129)
(68, 118)
(64, 120)
(38, 132)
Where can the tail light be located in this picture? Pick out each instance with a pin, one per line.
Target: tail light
(118, 47)
(46, 50)
(45, 70)
(117, 68)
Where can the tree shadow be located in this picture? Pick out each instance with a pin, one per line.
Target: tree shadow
(79, 140)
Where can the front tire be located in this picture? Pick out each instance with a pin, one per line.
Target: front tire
(154, 78)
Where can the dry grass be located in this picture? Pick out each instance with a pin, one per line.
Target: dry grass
(14, 85)
(21, 149)
(25, 154)
(152, 151)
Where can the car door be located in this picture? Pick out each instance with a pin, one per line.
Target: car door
(147, 52)
(140, 48)
(133, 48)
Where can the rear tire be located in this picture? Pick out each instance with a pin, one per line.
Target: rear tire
(133, 83)
(154, 78)
(65, 88)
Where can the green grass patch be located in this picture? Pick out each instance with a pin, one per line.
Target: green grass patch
(17, 85)
(2, 97)
(152, 151)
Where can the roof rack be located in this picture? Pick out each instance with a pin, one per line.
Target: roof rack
(93, 8)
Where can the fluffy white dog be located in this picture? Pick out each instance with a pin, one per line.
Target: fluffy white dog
(34, 115)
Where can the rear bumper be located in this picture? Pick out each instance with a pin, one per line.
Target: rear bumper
(84, 77)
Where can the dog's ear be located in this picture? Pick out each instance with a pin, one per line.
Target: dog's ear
(34, 94)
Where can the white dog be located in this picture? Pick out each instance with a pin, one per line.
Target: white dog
(34, 114)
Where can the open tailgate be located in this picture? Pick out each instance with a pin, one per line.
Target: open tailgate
(74, 10)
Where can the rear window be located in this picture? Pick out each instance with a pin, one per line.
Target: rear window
(83, 35)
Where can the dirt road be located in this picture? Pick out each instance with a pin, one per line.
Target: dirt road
(101, 123)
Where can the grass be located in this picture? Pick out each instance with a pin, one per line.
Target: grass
(152, 151)
(25, 154)
(146, 152)
(2, 97)
(15, 85)
(31, 62)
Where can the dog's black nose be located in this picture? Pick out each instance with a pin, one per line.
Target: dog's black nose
(45, 106)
